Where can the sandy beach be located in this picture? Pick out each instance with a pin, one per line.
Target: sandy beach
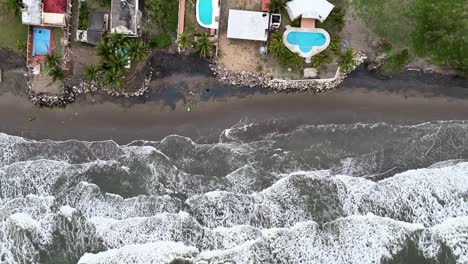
(411, 97)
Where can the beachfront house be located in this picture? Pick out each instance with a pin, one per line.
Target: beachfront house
(125, 18)
(306, 40)
(44, 17)
(44, 12)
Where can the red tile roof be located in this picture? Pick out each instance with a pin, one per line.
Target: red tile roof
(265, 5)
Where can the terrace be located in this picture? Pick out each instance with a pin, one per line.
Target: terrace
(126, 17)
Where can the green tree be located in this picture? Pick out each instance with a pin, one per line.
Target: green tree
(102, 49)
(203, 45)
(335, 21)
(114, 78)
(56, 73)
(184, 40)
(335, 45)
(14, 6)
(163, 13)
(440, 32)
(346, 60)
(276, 47)
(119, 41)
(137, 50)
(319, 59)
(52, 59)
(277, 6)
(91, 73)
(117, 61)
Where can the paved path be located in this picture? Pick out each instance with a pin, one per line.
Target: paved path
(181, 16)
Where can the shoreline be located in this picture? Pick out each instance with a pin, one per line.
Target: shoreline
(408, 98)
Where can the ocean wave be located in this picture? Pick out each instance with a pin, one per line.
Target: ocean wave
(359, 193)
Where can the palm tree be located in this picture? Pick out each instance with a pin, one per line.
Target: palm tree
(102, 49)
(52, 60)
(119, 40)
(137, 50)
(118, 61)
(184, 40)
(14, 6)
(277, 6)
(56, 73)
(91, 73)
(276, 47)
(203, 45)
(346, 60)
(335, 45)
(113, 78)
(318, 60)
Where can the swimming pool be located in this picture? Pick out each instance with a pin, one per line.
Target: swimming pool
(41, 41)
(306, 40)
(207, 10)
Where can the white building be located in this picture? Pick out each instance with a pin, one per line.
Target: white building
(248, 25)
(316, 9)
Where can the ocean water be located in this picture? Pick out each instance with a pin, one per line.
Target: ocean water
(357, 193)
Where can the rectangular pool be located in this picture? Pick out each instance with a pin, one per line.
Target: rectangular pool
(41, 41)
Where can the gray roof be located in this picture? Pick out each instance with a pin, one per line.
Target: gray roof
(125, 17)
(93, 37)
(96, 27)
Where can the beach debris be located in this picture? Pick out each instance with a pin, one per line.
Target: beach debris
(30, 118)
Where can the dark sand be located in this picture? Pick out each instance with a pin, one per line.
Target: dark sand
(363, 97)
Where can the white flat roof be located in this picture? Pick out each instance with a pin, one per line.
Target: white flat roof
(31, 14)
(249, 25)
(317, 9)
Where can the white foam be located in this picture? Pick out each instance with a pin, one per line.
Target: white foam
(158, 252)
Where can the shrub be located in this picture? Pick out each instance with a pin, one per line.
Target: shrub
(164, 13)
(394, 63)
(440, 33)
(346, 60)
(285, 57)
(161, 41)
(83, 16)
(335, 21)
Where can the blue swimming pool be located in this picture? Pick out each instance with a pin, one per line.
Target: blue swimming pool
(41, 41)
(306, 40)
(205, 11)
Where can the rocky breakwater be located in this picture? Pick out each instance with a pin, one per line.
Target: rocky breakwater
(71, 90)
(244, 78)
(48, 100)
(251, 79)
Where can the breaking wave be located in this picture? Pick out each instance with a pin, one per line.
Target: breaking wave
(360, 193)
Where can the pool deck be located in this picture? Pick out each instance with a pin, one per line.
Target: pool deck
(307, 23)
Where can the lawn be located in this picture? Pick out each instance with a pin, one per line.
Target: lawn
(191, 25)
(58, 34)
(388, 19)
(11, 29)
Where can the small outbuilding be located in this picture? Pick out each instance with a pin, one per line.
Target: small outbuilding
(249, 25)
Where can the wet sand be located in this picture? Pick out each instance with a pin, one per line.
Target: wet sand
(363, 97)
